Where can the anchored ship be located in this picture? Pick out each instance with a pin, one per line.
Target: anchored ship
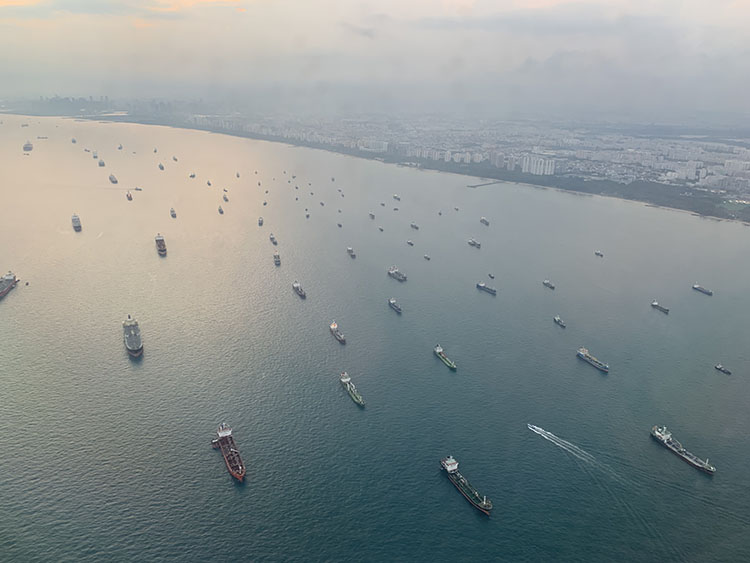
(221, 211)
(722, 369)
(161, 245)
(558, 321)
(481, 503)
(583, 353)
(549, 284)
(372, 215)
(484, 287)
(410, 243)
(393, 305)
(346, 381)
(397, 197)
(414, 226)
(276, 258)
(101, 163)
(225, 442)
(172, 212)
(350, 252)
(112, 178)
(337, 334)
(132, 336)
(427, 257)
(260, 221)
(298, 289)
(445, 359)
(272, 239)
(396, 274)
(76, 222)
(655, 305)
(225, 198)
(702, 289)
(484, 221)
(7, 282)
(129, 195)
(474, 243)
(599, 253)
(161, 166)
(664, 437)
(27, 147)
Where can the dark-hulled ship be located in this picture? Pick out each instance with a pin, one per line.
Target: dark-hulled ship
(161, 245)
(132, 337)
(584, 354)
(393, 305)
(484, 287)
(297, 287)
(112, 178)
(722, 369)
(224, 441)
(702, 289)
(396, 274)
(337, 334)
(662, 308)
(7, 282)
(440, 353)
(76, 220)
(664, 437)
(481, 503)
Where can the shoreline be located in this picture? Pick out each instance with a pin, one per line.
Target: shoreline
(485, 181)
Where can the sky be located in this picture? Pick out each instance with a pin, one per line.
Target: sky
(638, 58)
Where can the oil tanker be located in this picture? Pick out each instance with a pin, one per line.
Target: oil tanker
(481, 503)
(225, 442)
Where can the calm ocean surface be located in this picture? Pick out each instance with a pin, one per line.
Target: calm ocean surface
(104, 458)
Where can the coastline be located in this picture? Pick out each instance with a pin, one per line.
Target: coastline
(573, 184)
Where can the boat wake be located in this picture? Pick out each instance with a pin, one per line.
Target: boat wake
(572, 449)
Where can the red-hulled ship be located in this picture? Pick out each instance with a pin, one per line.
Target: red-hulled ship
(225, 442)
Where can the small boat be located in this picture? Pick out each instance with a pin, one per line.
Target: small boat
(491, 276)
(161, 166)
(273, 239)
(138, 189)
(549, 284)
(119, 147)
(221, 211)
(172, 212)
(225, 197)
(559, 321)
(129, 196)
(372, 215)
(276, 258)
(174, 158)
(722, 369)
(427, 257)
(297, 287)
(192, 175)
(350, 252)
(382, 204)
(414, 226)
(260, 221)
(380, 229)
(410, 243)
(599, 253)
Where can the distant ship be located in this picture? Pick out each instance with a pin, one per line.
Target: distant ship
(129, 195)
(427, 257)
(484, 221)
(154, 150)
(599, 253)
(27, 147)
(655, 305)
(112, 178)
(396, 274)
(559, 321)
(138, 189)
(95, 155)
(7, 282)
(73, 140)
(238, 174)
(380, 229)
(350, 252)
(702, 289)
(382, 204)
(119, 147)
(414, 226)
(276, 259)
(260, 221)
(161, 245)
(395, 208)
(481, 503)
(410, 243)
(76, 222)
(393, 305)
(339, 225)
(101, 163)
(484, 287)
(491, 276)
(161, 166)
(273, 239)
(221, 211)
(397, 197)
(225, 198)
(583, 353)
(208, 183)
(664, 437)
(225, 442)
(722, 369)
(549, 284)
(372, 215)
(346, 381)
(192, 175)
(443, 358)
(172, 212)
(132, 337)
(298, 289)
(474, 243)
(174, 158)
(337, 334)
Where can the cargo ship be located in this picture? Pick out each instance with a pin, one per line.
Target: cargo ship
(337, 334)
(132, 337)
(396, 274)
(484, 221)
(397, 197)
(410, 243)
(346, 381)
(474, 243)
(273, 239)
(350, 252)
(393, 305)
(664, 437)
(76, 220)
(161, 245)
(276, 259)
(221, 211)
(372, 215)
(481, 503)
(655, 305)
(101, 163)
(558, 321)
(112, 178)
(260, 221)
(225, 198)
(129, 196)
(7, 282)
(549, 284)
(702, 289)
(173, 213)
(225, 442)
(427, 257)
(161, 166)
(583, 353)
(298, 289)
(722, 369)
(414, 226)
(484, 287)
(445, 359)
(27, 147)
(599, 253)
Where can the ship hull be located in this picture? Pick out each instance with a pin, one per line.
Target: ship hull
(5, 291)
(683, 458)
(602, 369)
(454, 479)
(446, 361)
(135, 353)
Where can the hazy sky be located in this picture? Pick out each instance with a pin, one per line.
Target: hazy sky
(627, 56)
